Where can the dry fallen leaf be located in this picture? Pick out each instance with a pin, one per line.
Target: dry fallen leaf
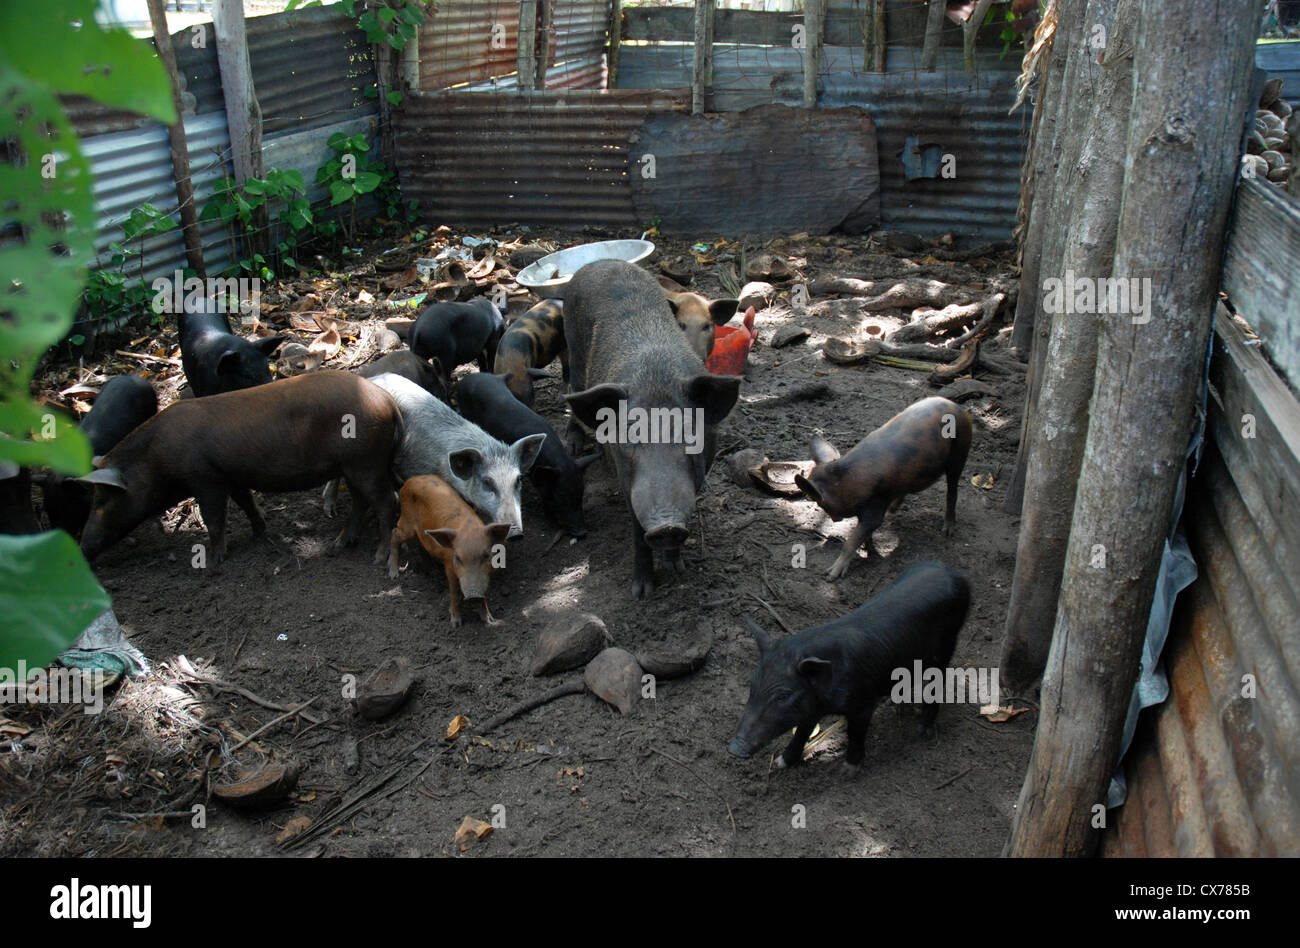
(294, 827)
(983, 481)
(9, 728)
(470, 830)
(365, 296)
(458, 724)
(327, 343)
(999, 714)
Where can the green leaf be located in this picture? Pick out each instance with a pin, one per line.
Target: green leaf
(366, 182)
(394, 98)
(388, 14)
(338, 141)
(48, 596)
(59, 42)
(396, 42)
(341, 191)
(255, 186)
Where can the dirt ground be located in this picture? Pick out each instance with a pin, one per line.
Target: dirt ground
(572, 777)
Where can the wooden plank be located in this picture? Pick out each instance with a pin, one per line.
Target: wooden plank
(771, 169)
(615, 41)
(760, 28)
(1261, 270)
(1246, 389)
(1147, 791)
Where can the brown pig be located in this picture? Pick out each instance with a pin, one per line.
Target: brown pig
(451, 532)
(291, 434)
(906, 454)
(699, 317)
(529, 345)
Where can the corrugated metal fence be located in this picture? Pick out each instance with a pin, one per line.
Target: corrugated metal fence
(1215, 770)
(310, 70)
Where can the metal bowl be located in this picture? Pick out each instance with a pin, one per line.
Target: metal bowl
(538, 275)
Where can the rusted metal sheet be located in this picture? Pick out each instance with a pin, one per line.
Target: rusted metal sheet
(465, 41)
(310, 69)
(964, 114)
(581, 29)
(771, 169)
(542, 158)
(1282, 60)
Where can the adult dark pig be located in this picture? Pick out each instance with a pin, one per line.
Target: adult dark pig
(648, 396)
(287, 435)
(699, 318)
(906, 454)
(456, 333)
(845, 666)
(123, 404)
(529, 345)
(216, 360)
(485, 400)
(423, 372)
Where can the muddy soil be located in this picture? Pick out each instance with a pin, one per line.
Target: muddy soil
(574, 777)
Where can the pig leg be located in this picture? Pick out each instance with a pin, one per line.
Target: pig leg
(330, 498)
(453, 587)
(925, 726)
(792, 756)
(249, 507)
(868, 519)
(212, 505)
(405, 530)
(487, 614)
(857, 733)
(956, 462)
(575, 438)
(643, 571)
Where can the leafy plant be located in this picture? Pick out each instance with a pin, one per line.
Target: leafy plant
(111, 290)
(349, 174)
(234, 205)
(48, 48)
(391, 22)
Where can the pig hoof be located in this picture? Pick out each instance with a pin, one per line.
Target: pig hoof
(642, 587)
(925, 732)
(491, 621)
(849, 770)
(780, 762)
(455, 621)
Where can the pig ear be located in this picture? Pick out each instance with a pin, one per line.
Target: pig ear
(720, 311)
(436, 364)
(674, 300)
(716, 394)
(587, 405)
(818, 673)
(228, 362)
(805, 485)
(539, 374)
(527, 449)
(444, 537)
(108, 476)
(586, 460)
(498, 532)
(823, 451)
(269, 345)
(465, 462)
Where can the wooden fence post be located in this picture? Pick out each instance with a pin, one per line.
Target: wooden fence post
(527, 58)
(933, 29)
(615, 41)
(814, 31)
(179, 148)
(702, 73)
(544, 48)
(243, 114)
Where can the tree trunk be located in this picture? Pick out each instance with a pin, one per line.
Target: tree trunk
(971, 30)
(1030, 331)
(180, 149)
(1189, 106)
(544, 50)
(933, 27)
(243, 113)
(1093, 186)
(615, 40)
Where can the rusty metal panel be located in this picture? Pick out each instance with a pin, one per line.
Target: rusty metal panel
(964, 114)
(542, 158)
(581, 29)
(465, 41)
(310, 69)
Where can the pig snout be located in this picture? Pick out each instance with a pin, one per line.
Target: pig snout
(739, 747)
(474, 583)
(668, 536)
